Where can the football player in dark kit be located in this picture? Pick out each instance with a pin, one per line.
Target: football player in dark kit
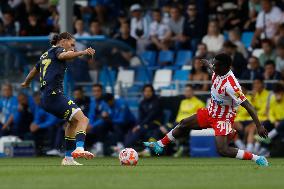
(51, 67)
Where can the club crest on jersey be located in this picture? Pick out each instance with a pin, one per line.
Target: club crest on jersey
(219, 102)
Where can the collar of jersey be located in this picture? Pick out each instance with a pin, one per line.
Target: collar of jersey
(227, 74)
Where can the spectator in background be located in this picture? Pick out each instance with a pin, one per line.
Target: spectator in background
(125, 35)
(8, 108)
(267, 22)
(122, 18)
(268, 52)
(158, 31)
(187, 107)
(276, 114)
(138, 24)
(9, 24)
(121, 121)
(260, 97)
(41, 128)
(193, 29)
(80, 32)
(81, 100)
(250, 23)
(95, 28)
(202, 51)
(199, 73)
(149, 119)
(239, 63)
(33, 27)
(175, 25)
(213, 39)
(23, 117)
(254, 70)
(99, 115)
(235, 37)
(2, 29)
(270, 73)
(280, 58)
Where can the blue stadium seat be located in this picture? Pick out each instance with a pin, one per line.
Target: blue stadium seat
(166, 56)
(143, 75)
(183, 57)
(181, 75)
(247, 38)
(149, 58)
(107, 77)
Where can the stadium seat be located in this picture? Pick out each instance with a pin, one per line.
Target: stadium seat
(202, 143)
(181, 75)
(247, 38)
(149, 58)
(107, 77)
(183, 57)
(125, 77)
(162, 78)
(143, 75)
(166, 56)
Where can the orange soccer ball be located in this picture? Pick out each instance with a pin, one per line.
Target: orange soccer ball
(128, 156)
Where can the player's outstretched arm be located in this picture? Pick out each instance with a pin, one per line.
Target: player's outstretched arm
(74, 54)
(250, 109)
(29, 78)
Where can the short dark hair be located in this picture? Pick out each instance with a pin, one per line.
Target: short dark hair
(224, 58)
(278, 87)
(148, 86)
(269, 62)
(57, 37)
(259, 78)
(78, 88)
(268, 41)
(98, 85)
(229, 44)
(188, 86)
(108, 97)
(156, 10)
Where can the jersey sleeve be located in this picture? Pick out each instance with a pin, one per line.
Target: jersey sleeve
(236, 94)
(58, 51)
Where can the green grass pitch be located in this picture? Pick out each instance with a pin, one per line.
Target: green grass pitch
(150, 173)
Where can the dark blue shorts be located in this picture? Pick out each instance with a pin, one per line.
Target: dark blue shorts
(59, 105)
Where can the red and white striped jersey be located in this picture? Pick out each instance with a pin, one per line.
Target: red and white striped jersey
(226, 96)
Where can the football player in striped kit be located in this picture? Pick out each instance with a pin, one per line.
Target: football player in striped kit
(226, 96)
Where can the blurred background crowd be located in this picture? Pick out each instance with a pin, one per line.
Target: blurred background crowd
(149, 76)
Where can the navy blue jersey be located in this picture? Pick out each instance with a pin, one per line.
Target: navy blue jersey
(52, 71)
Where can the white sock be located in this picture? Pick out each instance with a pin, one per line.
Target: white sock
(68, 158)
(170, 138)
(240, 155)
(240, 144)
(249, 147)
(80, 148)
(272, 133)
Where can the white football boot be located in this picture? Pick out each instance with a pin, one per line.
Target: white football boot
(70, 162)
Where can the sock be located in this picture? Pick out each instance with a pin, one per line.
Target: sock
(249, 147)
(246, 155)
(70, 145)
(240, 144)
(272, 133)
(167, 139)
(80, 139)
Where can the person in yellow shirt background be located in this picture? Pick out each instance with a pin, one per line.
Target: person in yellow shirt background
(242, 121)
(276, 114)
(259, 99)
(187, 107)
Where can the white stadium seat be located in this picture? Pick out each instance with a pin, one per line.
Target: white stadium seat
(162, 78)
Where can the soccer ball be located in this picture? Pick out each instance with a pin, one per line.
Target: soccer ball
(128, 156)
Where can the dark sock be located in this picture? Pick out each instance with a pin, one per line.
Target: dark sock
(80, 139)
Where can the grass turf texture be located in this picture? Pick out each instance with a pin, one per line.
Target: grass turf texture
(150, 173)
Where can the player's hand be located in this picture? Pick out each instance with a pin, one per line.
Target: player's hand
(89, 51)
(34, 128)
(25, 85)
(262, 132)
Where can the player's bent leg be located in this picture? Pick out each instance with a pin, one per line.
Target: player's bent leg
(181, 129)
(224, 150)
(79, 122)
